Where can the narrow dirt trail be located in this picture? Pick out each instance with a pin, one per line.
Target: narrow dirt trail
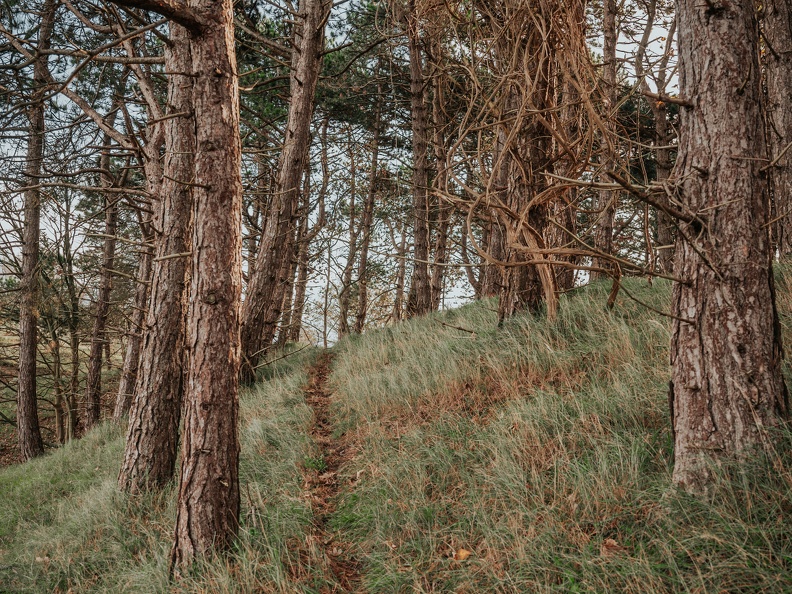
(323, 483)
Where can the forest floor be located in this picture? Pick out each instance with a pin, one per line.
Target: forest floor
(442, 454)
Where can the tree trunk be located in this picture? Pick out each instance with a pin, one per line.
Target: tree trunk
(368, 219)
(524, 288)
(208, 504)
(264, 297)
(73, 317)
(288, 292)
(57, 388)
(92, 400)
(727, 393)
(665, 225)
(354, 229)
(491, 275)
(152, 434)
(401, 272)
(28, 431)
(778, 72)
(441, 187)
(419, 301)
(606, 199)
(470, 272)
(301, 284)
(129, 373)
(663, 132)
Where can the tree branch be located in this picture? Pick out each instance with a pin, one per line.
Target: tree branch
(175, 10)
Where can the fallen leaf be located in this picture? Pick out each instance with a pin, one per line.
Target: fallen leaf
(611, 548)
(462, 554)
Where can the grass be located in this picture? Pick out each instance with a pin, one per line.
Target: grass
(65, 527)
(544, 449)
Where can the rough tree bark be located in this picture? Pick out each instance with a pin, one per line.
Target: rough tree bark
(153, 169)
(419, 300)
(28, 431)
(727, 392)
(208, 505)
(521, 288)
(264, 296)
(152, 434)
(777, 32)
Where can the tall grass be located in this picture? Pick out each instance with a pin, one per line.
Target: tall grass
(65, 527)
(543, 449)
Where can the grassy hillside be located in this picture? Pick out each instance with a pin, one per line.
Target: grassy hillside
(543, 451)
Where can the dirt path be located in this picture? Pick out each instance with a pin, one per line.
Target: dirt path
(323, 483)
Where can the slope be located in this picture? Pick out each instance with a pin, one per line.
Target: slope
(530, 458)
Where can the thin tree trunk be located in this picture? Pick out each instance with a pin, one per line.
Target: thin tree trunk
(326, 310)
(303, 254)
(727, 393)
(288, 293)
(73, 317)
(301, 284)
(606, 200)
(368, 219)
(57, 388)
(92, 400)
(152, 434)
(419, 301)
(469, 269)
(264, 298)
(354, 230)
(663, 132)
(663, 165)
(208, 504)
(28, 431)
(778, 72)
(441, 186)
(129, 373)
(401, 273)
